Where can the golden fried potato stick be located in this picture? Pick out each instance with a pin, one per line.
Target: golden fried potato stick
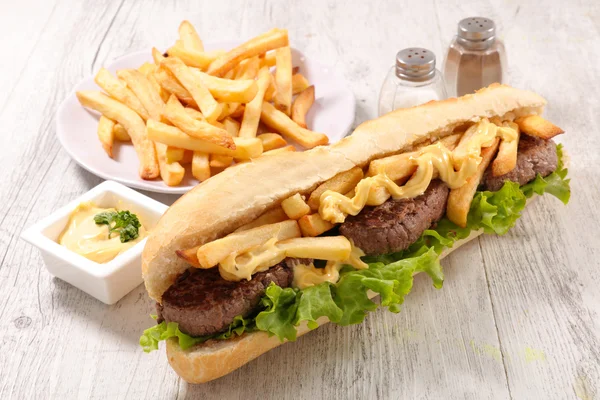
(120, 91)
(534, 125)
(295, 207)
(271, 40)
(302, 104)
(252, 111)
(459, 200)
(220, 161)
(120, 133)
(200, 166)
(169, 83)
(506, 159)
(211, 253)
(283, 80)
(172, 136)
(289, 129)
(279, 151)
(299, 83)
(148, 70)
(193, 58)
(141, 86)
(268, 60)
(271, 141)
(132, 122)
(232, 126)
(177, 115)
(313, 225)
(171, 173)
(227, 90)
(174, 154)
(341, 183)
(106, 135)
(189, 37)
(200, 93)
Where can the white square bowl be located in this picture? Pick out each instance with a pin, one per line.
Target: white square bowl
(110, 281)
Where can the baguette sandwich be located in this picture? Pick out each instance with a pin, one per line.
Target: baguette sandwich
(272, 248)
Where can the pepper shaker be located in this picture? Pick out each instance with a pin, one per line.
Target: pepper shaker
(412, 81)
(476, 57)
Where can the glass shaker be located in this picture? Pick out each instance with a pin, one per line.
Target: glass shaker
(476, 57)
(412, 81)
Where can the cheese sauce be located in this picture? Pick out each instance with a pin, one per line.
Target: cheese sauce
(83, 236)
(452, 167)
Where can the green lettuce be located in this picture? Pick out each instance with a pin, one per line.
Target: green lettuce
(390, 276)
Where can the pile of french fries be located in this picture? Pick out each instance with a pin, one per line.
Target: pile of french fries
(210, 109)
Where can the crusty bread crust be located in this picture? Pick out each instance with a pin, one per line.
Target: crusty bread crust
(240, 194)
(217, 358)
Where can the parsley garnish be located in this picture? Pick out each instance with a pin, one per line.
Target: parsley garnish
(123, 222)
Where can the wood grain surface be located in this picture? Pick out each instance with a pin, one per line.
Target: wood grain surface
(518, 317)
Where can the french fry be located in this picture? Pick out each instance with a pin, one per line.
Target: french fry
(210, 254)
(171, 173)
(106, 135)
(173, 136)
(271, 141)
(334, 248)
(271, 40)
(219, 161)
(271, 89)
(148, 70)
(200, 166)
(459, 200)
(141, 86)
(189, 256)
(252, 111)
(341, 183)
(132, 122)
(534, 125)
(313, 225)
(198, 115)
(232, 126)
(173, 154)
(506, 159)
(289, 129)
(227, 90)
(201, 95)
(157, 56)
(302, 104)
(169, 83)
(299, 83)
(189, 37)
(192, 57)
(295, 207)
(268, 60)
(188, 156)
(239, 111)
(269, 217)
(248, 69)
(283, 80)
(177, 115)
(120, 91)
(120, 133)
(279, 151)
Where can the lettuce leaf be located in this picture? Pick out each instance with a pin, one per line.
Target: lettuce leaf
(390, 275)
(163, 331)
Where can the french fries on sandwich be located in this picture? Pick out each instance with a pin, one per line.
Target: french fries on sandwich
(259, 255)
(206, 104)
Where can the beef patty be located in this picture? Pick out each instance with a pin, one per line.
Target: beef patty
(396, 224)
(535, 156)
(203, 303)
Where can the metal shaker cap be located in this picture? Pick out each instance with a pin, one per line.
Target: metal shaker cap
(477, 32)
(415, 64)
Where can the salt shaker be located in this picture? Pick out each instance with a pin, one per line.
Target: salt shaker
(412, 81)
(476, 57)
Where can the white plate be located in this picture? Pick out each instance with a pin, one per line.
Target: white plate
(332, 114)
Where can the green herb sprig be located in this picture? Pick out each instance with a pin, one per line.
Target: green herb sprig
(123, 222)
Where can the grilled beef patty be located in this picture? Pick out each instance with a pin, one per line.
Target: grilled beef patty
(203, 303)
(396, 224)
(535, 156)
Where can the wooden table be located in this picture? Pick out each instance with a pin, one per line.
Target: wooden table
(518, 317)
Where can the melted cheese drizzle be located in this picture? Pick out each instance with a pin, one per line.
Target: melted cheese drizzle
(453, 167)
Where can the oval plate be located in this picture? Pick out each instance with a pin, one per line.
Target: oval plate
(332, 114)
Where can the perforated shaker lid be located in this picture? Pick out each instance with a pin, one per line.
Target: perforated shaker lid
(476, 28)
(415, 64)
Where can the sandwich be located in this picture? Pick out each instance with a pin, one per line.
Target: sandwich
(272, 248)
